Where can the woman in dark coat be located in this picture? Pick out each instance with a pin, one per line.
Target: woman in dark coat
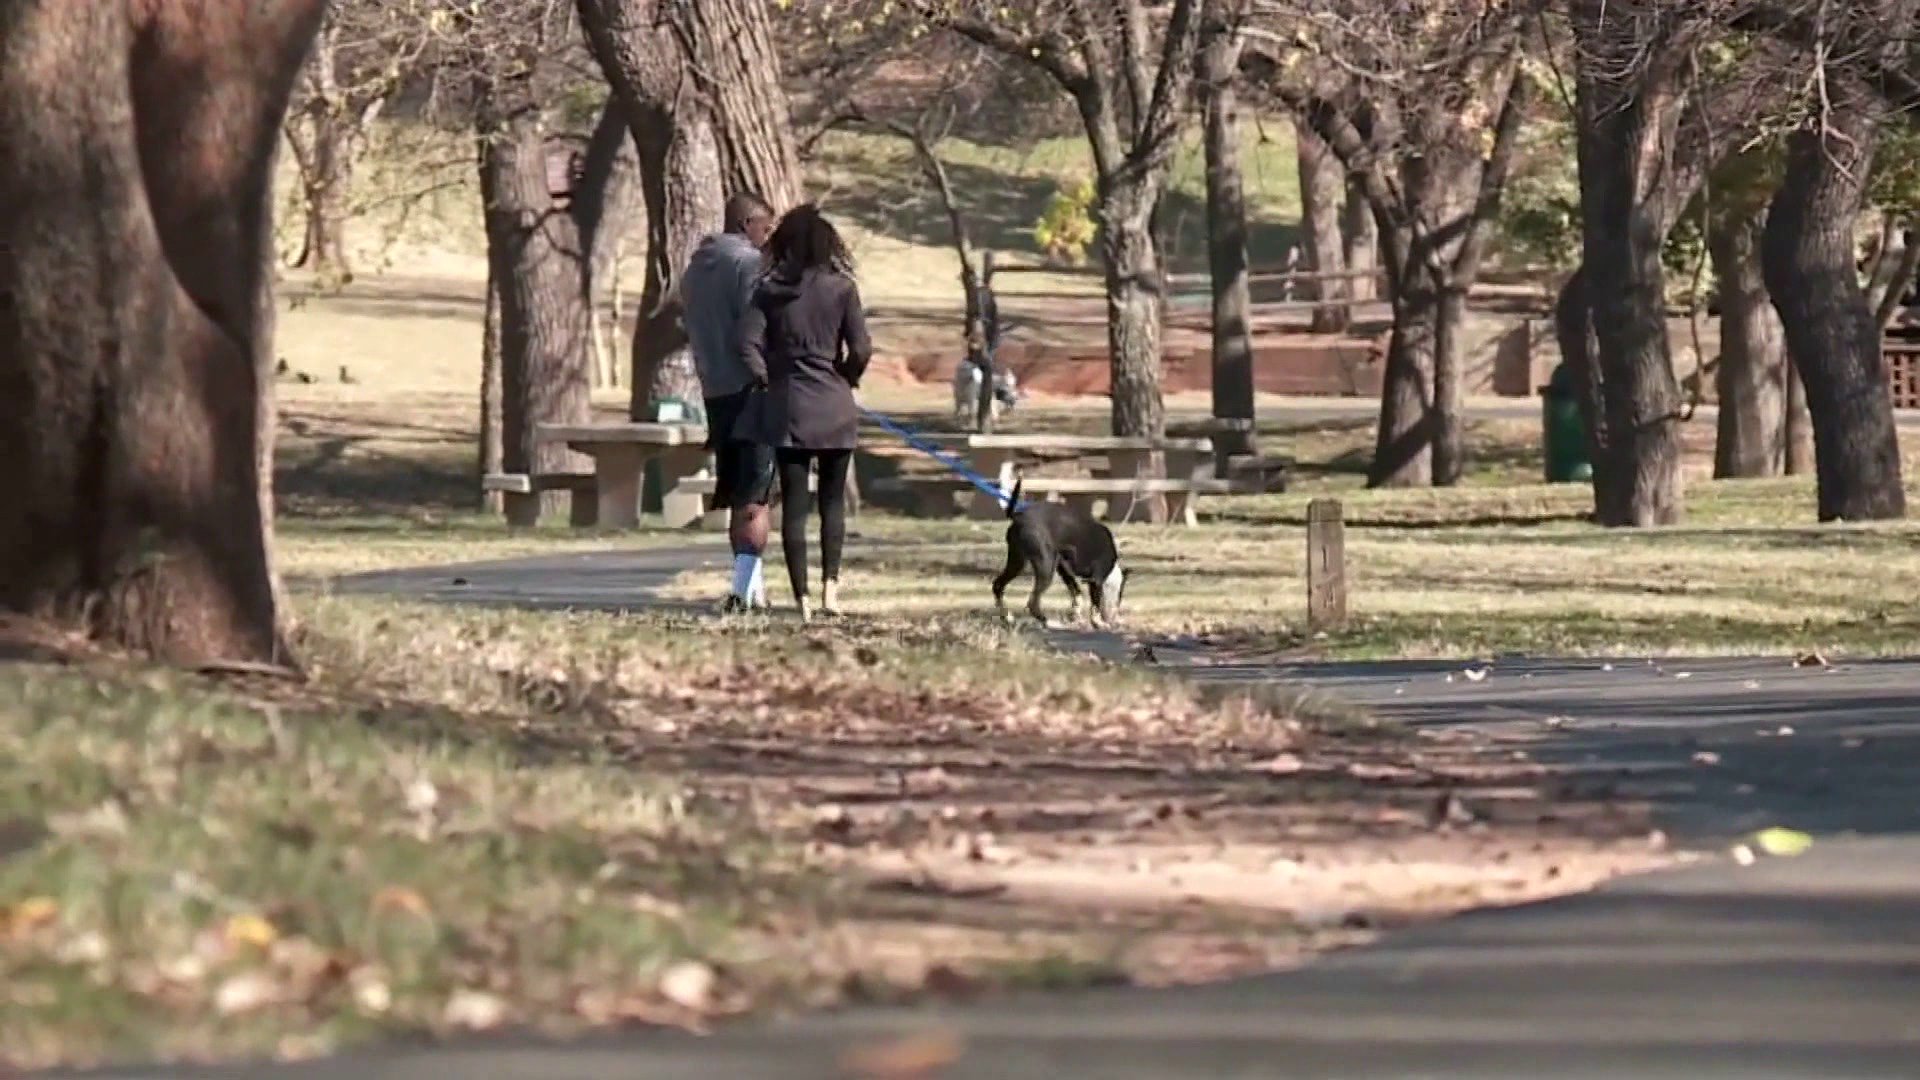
(806, 339)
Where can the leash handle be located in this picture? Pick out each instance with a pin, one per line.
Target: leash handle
(953, 464)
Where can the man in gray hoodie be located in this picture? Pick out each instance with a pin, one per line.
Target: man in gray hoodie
(715, 292)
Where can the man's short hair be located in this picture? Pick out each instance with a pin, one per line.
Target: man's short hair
(744, 208)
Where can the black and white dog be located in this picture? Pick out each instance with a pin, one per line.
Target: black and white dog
(1051, 539)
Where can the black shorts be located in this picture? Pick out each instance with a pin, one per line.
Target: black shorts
(743, 471)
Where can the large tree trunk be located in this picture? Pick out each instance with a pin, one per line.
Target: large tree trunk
(733, 61)
(1624, 144)
(699, 85)
(1233, 396)
(603, 204)
(1831, 329)
(1133, 307)
(679, 175)
(132, 324)
(1448, 423)
(531, 250)
(1751, 379)
(492, 455)
(1323, 189)
(1362, 238)
(1403, 448)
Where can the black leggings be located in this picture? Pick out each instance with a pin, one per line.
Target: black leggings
(794, 466)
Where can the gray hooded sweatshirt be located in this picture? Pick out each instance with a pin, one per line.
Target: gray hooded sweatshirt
(714, 293)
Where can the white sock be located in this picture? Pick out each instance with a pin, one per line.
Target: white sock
(757, 588)
(745, 569)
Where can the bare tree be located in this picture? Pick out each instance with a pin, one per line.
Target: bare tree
(134, 258)
(1651, 121)
(699, 86)
(1424, 107)
(1832, 329)
(365, 52)
(513, 54)
(1128, 67)
(1860, 65)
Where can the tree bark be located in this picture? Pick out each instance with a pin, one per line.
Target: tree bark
(1232, 325)
(603, 204)
(1449, 426)
(1403, 449)
(326, 180)
(492, 457)
(699, 86)
(1752, 373)
(1134, 291)
(1798, 426)
(679, 171)
(1625, 141)
(532, 254)
(1580, 352)
(1362, 244)
(133, 258)
(1323, 187)
(734, 63)
(1831, 330)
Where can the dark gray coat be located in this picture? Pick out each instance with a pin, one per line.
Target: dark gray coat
(806, 339)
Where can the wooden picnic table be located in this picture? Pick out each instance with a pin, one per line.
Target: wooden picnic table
(1128, 458)
(620, 453)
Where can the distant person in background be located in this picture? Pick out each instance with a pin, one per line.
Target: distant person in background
(806, 339)
(715, 293)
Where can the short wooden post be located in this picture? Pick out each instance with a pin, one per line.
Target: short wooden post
(1326, 565)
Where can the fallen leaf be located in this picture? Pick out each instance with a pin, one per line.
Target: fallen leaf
(946, 981)
(1683, 674)
(1475, 674)
(1706, 757)
(251, 930)
(912, 1057)
(1284, 764)
(1812, 659)
(402, 900)
(1449, 809)
(29, 915)
(1743, 855)
(689, 984)
(475, 1010)
(370, 990)
(245, 992)
(422, 796)
(1785, 843)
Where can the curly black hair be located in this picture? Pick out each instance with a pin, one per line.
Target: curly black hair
(806, 240)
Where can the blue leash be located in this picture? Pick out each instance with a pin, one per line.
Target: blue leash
(954, 465)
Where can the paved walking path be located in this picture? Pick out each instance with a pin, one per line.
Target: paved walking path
(1805, 967)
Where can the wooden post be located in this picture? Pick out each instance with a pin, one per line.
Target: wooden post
(1326, 566)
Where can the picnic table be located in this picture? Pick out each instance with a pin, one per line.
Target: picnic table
(620, 454)
(1124, 474)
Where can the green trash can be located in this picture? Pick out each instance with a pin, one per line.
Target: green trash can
(670, 410)
(1563, 430)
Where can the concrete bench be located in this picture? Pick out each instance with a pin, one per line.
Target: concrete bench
(933, 495)
(521, 496)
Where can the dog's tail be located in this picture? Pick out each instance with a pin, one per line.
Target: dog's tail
(1013, 500)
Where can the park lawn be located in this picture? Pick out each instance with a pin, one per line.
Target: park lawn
(469, 818)
(1478, 571)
